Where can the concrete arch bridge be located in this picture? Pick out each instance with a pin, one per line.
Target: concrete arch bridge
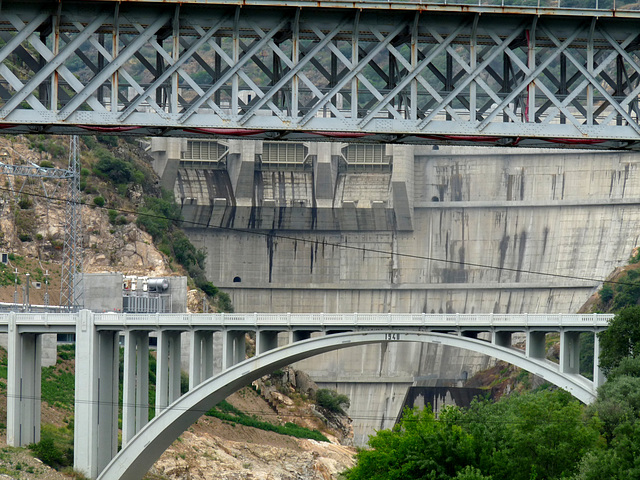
(281, 339)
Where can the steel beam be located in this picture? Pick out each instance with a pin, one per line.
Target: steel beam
(415, 73)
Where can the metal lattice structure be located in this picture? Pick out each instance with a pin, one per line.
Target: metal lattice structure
(71, 288)
(411, 73)
(71, 291)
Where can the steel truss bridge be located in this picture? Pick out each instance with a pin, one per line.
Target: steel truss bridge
(366, 71)
(281, 339)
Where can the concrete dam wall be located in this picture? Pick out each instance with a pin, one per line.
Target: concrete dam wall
(334, 227)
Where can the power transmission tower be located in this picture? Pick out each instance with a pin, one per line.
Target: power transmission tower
(71, 288)
(71, 291)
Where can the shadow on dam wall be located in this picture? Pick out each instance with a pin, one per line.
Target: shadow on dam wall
(439, 397)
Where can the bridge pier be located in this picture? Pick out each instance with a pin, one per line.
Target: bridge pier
(598, 375)
(233, 348)
(200, 357)
(266, 340)
(569, 352)
(96, 402)
(502, 339)
(536, 344)
(168, 369)
(135, 389)
(299, 335)
(23, 386)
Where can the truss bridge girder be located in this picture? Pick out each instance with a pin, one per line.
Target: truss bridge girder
(404, 75)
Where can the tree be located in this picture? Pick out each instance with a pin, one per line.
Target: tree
(332, 400)
(543, 435)
(618, 409)
(621, 339)
(418, 447)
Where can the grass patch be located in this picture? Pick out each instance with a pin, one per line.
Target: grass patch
(55, 447)
(58, 385)
(228, 413)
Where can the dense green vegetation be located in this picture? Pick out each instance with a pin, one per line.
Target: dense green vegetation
(55, 447)
(58, 382)
(621, 340)
(623, 292)
(332, 400)
(541, 435)
(227, 412)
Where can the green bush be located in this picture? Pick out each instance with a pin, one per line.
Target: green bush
(109, 140)
(25, 203)
(56, 446)
(47, 451)
(224, 302)
(113, 215)
(158, 214)
(160, 218)
(332, 400)
(90, 142)
(606, 293)
(209, 289)
(99, 201)
(108, 166)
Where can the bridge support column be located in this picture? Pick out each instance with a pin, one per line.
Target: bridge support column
(569, 352)
(266, 340)
(200, 357)
(23, 386)
(96, 404)
(536, 344)
(135, 388)
(502, 339)
(299, 335)
(168, 369)
(233, 348)
(598, 375)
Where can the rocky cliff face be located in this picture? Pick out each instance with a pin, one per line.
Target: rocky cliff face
(218, 449)
(208, 451)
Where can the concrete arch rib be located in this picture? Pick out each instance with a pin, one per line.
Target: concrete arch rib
(135, 459)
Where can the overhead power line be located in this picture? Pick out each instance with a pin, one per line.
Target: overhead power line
(280, 236)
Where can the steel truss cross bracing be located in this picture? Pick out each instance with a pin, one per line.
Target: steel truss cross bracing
(407, 75)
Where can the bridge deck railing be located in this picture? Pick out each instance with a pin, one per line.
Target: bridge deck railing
(355, 320)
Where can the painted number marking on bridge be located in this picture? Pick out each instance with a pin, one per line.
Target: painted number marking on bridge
(392, 336)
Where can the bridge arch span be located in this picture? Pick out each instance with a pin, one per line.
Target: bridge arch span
(135, 459)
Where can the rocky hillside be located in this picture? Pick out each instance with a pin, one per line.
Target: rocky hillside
(31, 232)
(222, 449)
(32, 214)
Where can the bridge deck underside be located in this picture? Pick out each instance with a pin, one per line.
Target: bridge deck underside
(319, 73)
